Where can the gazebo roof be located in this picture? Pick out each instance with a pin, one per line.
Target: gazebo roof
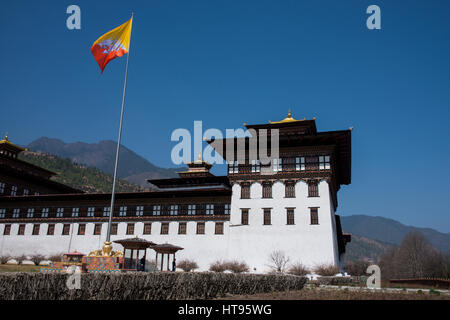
(135, 243)
(166, 248)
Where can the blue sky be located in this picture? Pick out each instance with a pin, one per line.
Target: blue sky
(230, 62)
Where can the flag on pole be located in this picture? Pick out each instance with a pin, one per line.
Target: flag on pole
(112, 44)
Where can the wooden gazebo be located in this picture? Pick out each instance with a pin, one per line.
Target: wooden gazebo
(134, 249)
(165, 249)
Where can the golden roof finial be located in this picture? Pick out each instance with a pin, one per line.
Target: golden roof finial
(6, 136)
(287, 119)
(200, 156)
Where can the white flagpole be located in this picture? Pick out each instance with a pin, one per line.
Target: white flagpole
(111, 211)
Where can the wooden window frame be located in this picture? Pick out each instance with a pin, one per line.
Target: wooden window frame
(218, 228)
(314, 215)
(130, 228)
(267, 216)
(97, 229)
(51, 229)
(290, 216)
(267, 190)
(245, 191)
(81, 229)
(244, 217)
(7, 230)
(139, 211)
(164, 225)
(36, 229)
(199, 229)
(91, 211)
(313, 189)
(289, 189)
(114, 228)
(66, 226)
(182, 228)
(147, 228)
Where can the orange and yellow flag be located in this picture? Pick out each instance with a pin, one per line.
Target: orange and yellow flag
(112, 44)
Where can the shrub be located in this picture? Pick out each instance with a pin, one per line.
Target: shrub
(326, 270)
(298, 269)
(21, 258)
(187, 265)
(236, 266)
(142, 285)
(55, 258)
(357, 267)
(278, 261)
(37, 258)
(218, 266)
(4, 259)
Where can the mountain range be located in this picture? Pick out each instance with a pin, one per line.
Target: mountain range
(390, 231)
(132, 167)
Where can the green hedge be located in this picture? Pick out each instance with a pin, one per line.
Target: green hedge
(142, 286)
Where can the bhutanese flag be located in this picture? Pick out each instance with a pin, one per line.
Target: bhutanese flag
(112, 44)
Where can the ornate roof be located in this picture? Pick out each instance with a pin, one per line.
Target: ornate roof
(135, 243)
(7, 145)
(289, 118)
(166, 248)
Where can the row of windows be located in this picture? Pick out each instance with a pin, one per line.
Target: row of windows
(156, 210)
(14, 190)
(313, 189)
(282, 164)
(290, 217)
(182, 229)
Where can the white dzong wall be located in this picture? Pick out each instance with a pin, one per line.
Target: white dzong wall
(253, 243)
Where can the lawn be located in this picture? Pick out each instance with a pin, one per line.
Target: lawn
(19, 268)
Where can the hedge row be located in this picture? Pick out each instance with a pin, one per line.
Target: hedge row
(142, 286)
(341, 281)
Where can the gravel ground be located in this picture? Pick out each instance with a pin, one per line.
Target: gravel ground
(340, 294)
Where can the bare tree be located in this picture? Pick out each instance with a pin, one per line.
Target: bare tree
(415, 258)
(413, 255)
(278, 261)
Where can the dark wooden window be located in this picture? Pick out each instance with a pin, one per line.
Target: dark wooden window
(147, 228)
(244, 216)
(245, 191)
(324, 162)
(290, 216)
(114, 228)
(97, 229)
(267, 217)
(290, 189)
(7, 230)
(219, 227)
(200, 228)
(165, 228)
(51, 229)
(313, 189)
(130, 228)
(36, 228)
(66, 229)
(81, 229)
(139, 210)
(314, 215)
(21, 231)
(182, 228)
(267, 190)
(91, 211)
